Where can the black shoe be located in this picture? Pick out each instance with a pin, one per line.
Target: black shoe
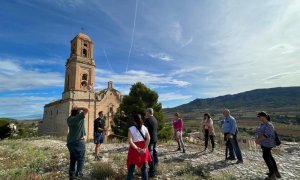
(151, 176)
(98, 158)
(179, 149)
(240, 162)
(183, 151)
(212, 150)
(271, 177)
(277, 174)
(231, 158)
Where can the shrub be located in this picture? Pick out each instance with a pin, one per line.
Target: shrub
(4, 129)
(165, 133)
(103, 170)
(198, 170)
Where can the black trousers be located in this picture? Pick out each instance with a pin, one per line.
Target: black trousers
(270, 161)
(206, 135)
(154, 162)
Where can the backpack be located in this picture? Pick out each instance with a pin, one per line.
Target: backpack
(277, 139)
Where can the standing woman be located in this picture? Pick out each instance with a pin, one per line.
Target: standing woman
(177, 131)
(138, 153)
(265, 136)
(208, 130)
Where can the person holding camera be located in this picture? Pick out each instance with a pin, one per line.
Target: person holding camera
(76, 142)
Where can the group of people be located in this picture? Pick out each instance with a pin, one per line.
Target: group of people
(142, 139)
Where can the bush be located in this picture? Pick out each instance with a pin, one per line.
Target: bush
(4, 129)
(198, 170)
(165, 133)
(103, 170)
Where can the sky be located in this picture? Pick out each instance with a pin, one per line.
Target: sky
(182, 49)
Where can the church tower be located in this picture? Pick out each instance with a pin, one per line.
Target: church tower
(80, 67)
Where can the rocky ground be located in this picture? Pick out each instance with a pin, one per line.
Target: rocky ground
(52, 161)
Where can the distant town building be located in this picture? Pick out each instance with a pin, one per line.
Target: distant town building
(79, 91)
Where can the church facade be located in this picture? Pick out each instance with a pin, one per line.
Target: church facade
(79, 91)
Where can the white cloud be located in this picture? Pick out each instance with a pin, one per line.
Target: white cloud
(161, 56)
(15, 77)
(189, 70)
(133, 76)
(283, 49)
(23, 106)
(8, 67)
(173, 96)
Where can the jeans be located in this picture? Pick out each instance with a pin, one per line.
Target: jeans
(179, 140)
(270, 161)
(77, 155)
(153, 153)
(234, 148)
(206, 135)
(131, 171)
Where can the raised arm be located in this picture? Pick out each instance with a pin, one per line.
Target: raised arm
(85, 110)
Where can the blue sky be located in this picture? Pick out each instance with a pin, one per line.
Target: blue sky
(182, 49)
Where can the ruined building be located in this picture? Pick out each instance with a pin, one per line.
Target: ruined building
(79, 91)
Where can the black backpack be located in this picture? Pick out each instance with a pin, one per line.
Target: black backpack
(277, 139)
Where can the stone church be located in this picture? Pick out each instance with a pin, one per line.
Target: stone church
(79, 91)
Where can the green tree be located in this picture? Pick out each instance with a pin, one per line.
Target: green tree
(5, 131)
(139, 99)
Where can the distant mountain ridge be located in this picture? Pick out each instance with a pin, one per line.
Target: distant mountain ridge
(272, 98)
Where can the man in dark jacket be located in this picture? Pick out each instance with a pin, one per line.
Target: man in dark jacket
(152, 125)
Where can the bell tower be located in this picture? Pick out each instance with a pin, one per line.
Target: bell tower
(80, 66)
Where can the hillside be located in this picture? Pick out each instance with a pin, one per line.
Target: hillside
(282, 103)
(259, 98)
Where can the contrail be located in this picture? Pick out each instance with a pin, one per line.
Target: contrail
(107, 60)
(132, 36)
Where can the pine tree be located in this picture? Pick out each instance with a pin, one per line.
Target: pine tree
(139, 99)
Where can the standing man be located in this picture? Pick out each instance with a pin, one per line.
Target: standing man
(75, 141)
(230, 132)
(152, 125)
(99, 128)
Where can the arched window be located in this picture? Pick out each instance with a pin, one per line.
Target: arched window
(85, 44)
(84, 53)
(84, 77)
(84, 84)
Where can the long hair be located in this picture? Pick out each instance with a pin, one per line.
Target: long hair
(208, 115)
(138, 121)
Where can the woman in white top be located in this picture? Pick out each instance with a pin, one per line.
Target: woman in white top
(208, 130)
(138, 153)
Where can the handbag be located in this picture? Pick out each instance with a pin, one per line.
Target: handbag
(277, 139)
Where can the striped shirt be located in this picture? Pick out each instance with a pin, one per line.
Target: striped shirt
(266, 130)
